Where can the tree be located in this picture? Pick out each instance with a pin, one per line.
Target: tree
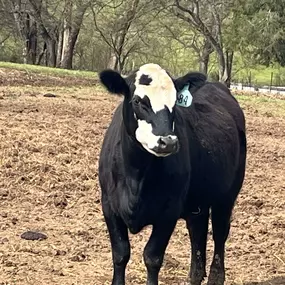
(73, 17)
(47, 24)
(190, 39)
(26, 27)
(123, 34)
(260, 29)
(6, 29)
(121, 26)
(208, 18)
(54, 23)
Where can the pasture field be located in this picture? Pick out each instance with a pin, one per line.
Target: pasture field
(49, 151)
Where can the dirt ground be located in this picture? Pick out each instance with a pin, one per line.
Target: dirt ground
(14, 77)
(48, 182)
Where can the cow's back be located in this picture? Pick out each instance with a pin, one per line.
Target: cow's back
(215, 127)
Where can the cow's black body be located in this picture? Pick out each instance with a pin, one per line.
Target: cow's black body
(140, 189)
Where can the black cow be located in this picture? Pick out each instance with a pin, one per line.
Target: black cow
(164, 158)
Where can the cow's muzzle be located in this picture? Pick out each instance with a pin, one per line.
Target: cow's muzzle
(167, 145)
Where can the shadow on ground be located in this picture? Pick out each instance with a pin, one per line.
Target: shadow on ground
(275, 281)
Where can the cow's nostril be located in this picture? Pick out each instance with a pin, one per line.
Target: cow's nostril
(162, 143)
(167, 144)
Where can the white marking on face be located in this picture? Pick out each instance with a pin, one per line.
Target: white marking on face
(161, 90)
(146, 137)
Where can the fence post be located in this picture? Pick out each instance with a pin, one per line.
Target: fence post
(249, 79)
(271, 79)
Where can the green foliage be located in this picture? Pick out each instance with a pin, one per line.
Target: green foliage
(11, 50)
(260, 31)
(165, 49)
(254, 29)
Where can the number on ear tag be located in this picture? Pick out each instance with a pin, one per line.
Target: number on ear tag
(184, 97)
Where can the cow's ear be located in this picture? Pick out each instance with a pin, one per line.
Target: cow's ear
(193, 79)
(114, 82)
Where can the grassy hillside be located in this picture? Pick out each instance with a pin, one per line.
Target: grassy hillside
(13, 74)
(260, 75)
(47, 70)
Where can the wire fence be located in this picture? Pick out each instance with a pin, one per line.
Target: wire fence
(274, 80)
(273, 84)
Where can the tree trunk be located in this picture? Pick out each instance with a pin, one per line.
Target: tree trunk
(204, 63)
(66, 33)
(41, 55)
(71, 32)
(51, 55)
(112, 61)
(68, 52)
(25, 55)
(229, 64)
(59, 48)
(32, 43)
(116, 65)
(17, 13)
(205, 56)
(67, 18)
(121, 37)
(122, 63)
(48, 36)
(222, 64)
(50, 47)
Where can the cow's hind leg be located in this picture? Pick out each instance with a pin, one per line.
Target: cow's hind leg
(221, 222)
(155, 249)
(221, 215)
(198, 229)
(120, 245)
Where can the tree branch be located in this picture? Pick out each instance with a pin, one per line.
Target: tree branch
(4, 40)
(99, 30)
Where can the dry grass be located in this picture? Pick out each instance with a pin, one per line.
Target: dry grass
(48, 182)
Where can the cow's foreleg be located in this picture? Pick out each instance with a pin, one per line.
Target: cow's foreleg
(155, 249)
(198, 229)
(221, 215)
(120, 245)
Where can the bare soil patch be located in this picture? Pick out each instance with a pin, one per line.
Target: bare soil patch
(13, 77)
(48, 183)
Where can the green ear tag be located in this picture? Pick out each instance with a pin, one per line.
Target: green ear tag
(184, 97)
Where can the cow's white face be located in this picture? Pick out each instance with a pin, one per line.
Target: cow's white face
(153, 81)
(153, 101)
(148, 110)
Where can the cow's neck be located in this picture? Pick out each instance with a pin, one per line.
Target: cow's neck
(135, 157)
